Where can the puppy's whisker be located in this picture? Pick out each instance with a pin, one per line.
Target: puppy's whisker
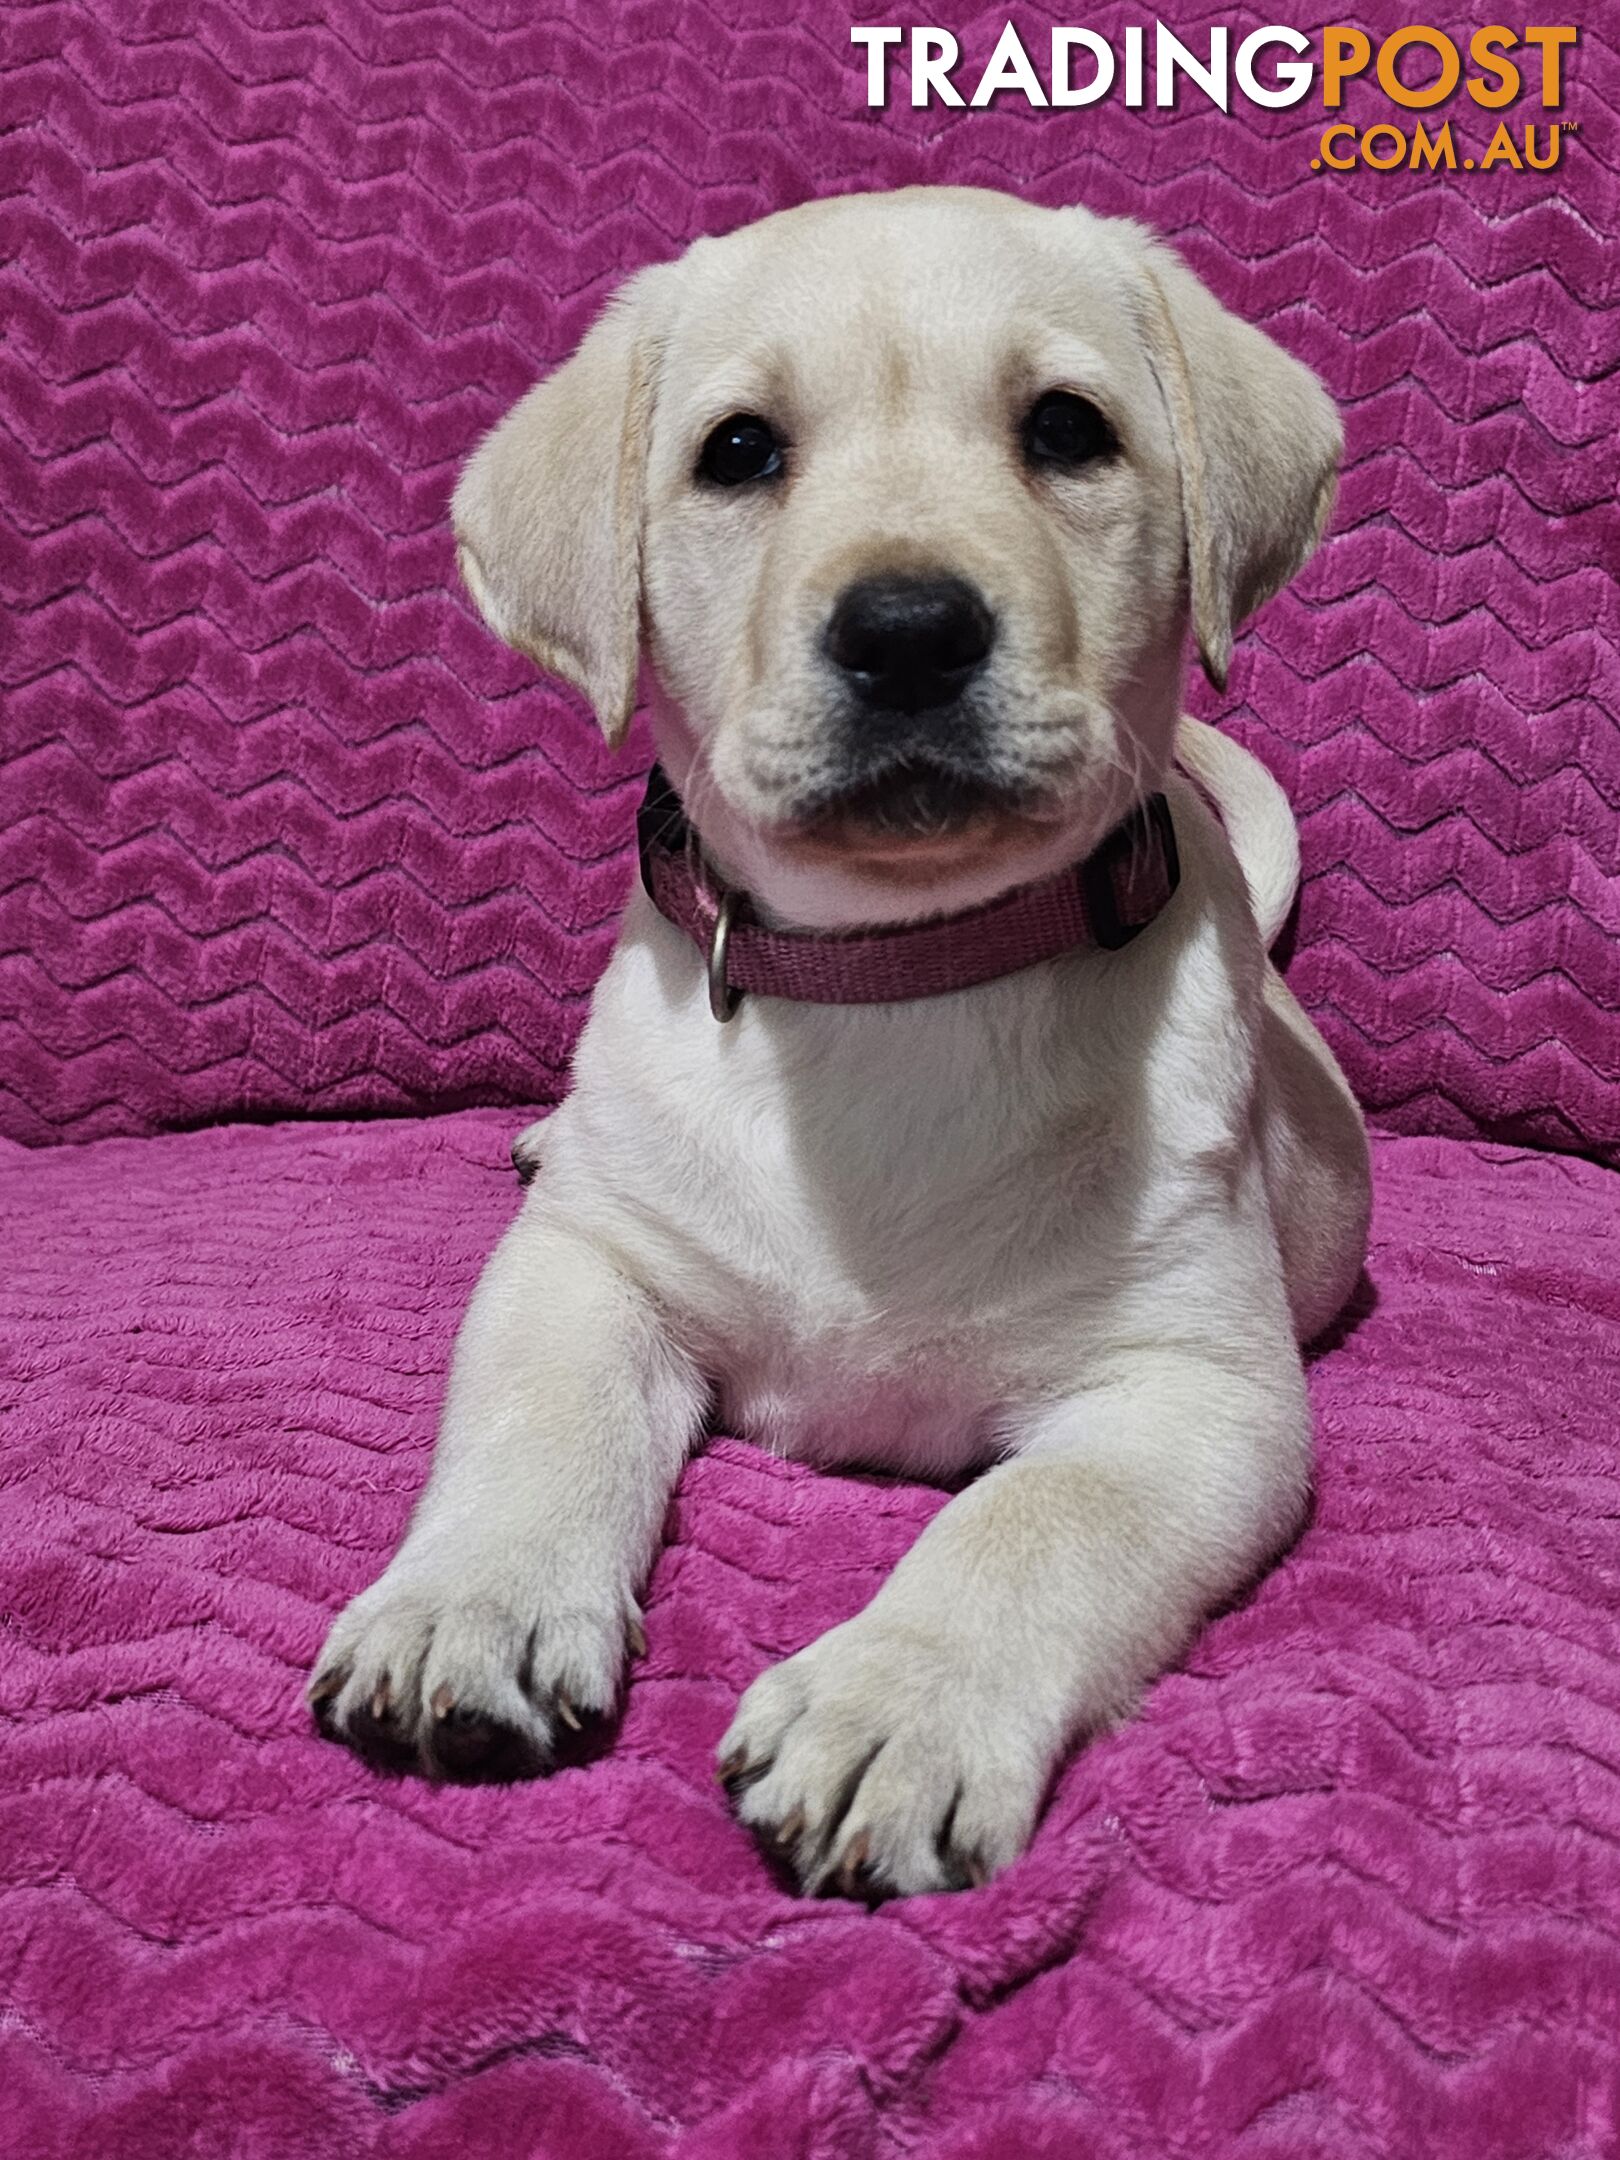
(701, 791)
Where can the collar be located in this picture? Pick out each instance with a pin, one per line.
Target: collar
(1098, 904)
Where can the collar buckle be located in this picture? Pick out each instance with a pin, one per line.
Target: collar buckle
(1103, 872)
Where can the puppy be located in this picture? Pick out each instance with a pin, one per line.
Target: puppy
(911, 501)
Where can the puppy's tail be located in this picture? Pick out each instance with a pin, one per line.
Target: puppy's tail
(1256, 814)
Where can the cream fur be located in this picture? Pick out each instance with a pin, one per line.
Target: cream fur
(1070, 1225)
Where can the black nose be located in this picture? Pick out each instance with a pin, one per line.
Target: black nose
(908, 643)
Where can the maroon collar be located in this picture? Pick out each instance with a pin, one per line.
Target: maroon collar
(1100, 903)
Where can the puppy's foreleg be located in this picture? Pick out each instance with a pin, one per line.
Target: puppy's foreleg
(510, 1603)
(908, 1749)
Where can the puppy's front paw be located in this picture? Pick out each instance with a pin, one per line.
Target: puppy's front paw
(881, 1762)
(431, 1672)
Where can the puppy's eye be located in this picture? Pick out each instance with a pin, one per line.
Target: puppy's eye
(1064, 430)
(740, 449)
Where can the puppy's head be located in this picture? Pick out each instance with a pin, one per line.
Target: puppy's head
(910, 499)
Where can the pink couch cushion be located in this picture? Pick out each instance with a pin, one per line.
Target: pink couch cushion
(1348, 1885)
(281, 829)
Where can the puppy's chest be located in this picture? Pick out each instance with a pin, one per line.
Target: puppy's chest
(816, 1402)
(871, 1288)
(877, 1233)
(867, 1321)
(871, 1319)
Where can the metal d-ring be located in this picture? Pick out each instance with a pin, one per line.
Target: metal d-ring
(723, 1000)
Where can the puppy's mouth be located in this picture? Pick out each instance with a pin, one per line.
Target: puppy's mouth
(917, 816)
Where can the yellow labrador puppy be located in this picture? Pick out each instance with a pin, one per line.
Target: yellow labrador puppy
(940, 1107)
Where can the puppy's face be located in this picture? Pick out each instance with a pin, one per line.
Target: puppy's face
(910, 497)
(912, 550)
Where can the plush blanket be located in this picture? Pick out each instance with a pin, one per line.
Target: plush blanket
(1350, 1884)
(285, 835)
(282, 829)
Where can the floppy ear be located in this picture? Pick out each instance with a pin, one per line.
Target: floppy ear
(548, 513)
(1258, 442)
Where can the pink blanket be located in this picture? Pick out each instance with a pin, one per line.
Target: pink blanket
(284, 835)
(282, 829)
(1351, 1884)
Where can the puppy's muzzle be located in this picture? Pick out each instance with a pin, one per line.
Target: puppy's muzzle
(915, 755)
(909, 644)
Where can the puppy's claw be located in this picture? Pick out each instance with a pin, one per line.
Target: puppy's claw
(323, 1697)
(567, 1712)
(638, 1637)
(788, 1831)
(853, 1879)
(737, 1773)
(382, 1701)
(443, 1702)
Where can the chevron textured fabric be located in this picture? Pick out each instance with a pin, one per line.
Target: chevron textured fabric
(282, 830)
(284, 836)
(1349, 1886)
